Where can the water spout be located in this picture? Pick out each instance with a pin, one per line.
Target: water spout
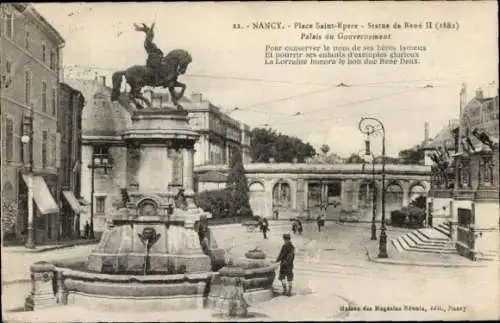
(148, 237)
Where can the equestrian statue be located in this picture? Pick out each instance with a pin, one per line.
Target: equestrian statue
(160, 70)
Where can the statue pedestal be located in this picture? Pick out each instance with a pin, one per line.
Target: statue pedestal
(160, 149)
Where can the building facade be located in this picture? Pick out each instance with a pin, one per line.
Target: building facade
(297, 189)
(69, 126)
(30, 74)
(220, 134)
(467, 189)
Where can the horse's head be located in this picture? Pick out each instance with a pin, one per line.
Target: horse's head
(179, 59)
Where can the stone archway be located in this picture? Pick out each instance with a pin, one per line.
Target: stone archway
(393, 196)
(257, 197)
(365, 194)
(282, 195)
(416, 190)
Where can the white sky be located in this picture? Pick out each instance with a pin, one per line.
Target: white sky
(102, 36)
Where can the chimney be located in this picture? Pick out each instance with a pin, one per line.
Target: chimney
(479, 93)
(196, 97)
(103, 80)
(463, 97)
(426, 131)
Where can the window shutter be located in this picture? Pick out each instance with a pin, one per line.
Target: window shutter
(57, 150)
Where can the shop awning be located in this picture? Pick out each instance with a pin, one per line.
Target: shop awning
(41, 194)
(73, 202)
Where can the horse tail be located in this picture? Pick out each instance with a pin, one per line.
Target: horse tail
(117, 83)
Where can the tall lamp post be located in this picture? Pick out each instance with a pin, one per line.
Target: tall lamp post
(27, 139)
(373, 126)
(368, 152)
(98, 161)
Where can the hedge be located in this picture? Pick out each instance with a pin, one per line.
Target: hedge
(219, 203)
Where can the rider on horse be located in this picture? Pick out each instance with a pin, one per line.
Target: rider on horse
(155, 55)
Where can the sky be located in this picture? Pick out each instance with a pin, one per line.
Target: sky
(299, 100)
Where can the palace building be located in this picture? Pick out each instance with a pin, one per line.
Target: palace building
(298, 189)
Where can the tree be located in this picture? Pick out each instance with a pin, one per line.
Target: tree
(237, 184)
(411, 156)
(325, 149)
(354, 159)
(268, 143)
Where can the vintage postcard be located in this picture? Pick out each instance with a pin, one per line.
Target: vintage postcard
(263, 161)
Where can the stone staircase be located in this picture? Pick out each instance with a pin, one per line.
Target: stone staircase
(427, 240)
(444, 228)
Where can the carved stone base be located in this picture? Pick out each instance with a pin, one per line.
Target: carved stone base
(137, 304)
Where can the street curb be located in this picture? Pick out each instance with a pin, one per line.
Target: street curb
(62, 246)
(420, 263)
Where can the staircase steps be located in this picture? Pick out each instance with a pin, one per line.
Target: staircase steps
(426, 240)
(444, 228)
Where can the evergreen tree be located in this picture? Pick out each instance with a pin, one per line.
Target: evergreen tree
(237, 184)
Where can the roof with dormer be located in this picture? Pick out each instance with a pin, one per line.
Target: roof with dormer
(101, 118)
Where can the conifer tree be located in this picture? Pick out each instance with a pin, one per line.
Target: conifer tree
(237, 184)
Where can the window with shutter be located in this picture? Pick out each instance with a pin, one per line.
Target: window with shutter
(44, 148)
(27, 88)
(9, 139)
(44, 96)
(58, 150)
(54, 102)
(53, 147)
(44, 53)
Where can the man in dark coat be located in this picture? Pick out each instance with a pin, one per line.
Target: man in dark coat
(286, 258)
(264, 227)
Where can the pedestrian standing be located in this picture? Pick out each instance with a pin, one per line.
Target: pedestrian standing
(294, 226)
(299, 226)
(86, 230)
(264, 226)
(286, 258)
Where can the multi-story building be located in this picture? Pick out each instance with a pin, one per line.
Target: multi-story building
(220, 134)
(30, 74)
(467, 189)
(69, 126)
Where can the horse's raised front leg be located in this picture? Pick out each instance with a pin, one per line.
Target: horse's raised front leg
(176, 97)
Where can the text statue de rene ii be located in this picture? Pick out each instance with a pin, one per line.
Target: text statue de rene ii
(160, 70)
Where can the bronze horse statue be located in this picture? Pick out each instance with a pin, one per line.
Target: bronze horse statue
(159, 71)
(138, 76)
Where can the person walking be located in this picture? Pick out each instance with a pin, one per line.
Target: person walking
(264, 227)
(286, 258)
(299, 226)
(294, 226)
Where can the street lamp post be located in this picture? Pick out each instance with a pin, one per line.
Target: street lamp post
(98, 161)
(372, 126)
(27, 139)
(374, 192)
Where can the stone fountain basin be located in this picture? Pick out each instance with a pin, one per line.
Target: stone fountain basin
(135, 285)
(111, 292)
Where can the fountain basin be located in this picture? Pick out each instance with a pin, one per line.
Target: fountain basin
(107, 292)
(256, 275)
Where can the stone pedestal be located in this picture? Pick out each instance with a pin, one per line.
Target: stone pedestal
(43, 286)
